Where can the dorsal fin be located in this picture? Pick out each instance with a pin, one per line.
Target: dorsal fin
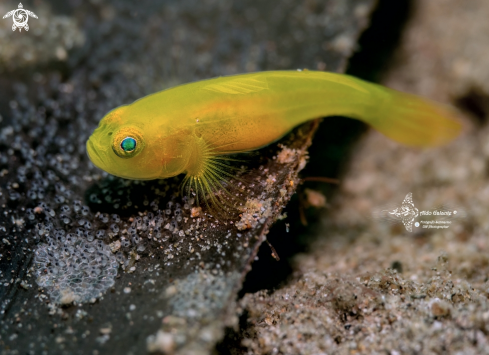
(238, 86)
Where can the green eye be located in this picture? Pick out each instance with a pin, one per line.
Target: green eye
(128, 144)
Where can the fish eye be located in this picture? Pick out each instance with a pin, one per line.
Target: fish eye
(128, 144)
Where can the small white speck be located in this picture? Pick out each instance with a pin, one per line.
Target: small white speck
(127, 290)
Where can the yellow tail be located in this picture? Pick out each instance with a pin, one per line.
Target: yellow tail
(413, 120)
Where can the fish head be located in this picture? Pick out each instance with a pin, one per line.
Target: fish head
(120, 146)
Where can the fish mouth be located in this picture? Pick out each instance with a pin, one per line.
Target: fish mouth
(94, 155)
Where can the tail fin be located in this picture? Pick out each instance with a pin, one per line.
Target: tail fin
(415, 121)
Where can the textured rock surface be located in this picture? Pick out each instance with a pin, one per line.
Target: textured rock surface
(368, 286)
(144, 268)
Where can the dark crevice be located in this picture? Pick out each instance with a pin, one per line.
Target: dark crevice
(378, 43)
(476, 103)
(232, 343)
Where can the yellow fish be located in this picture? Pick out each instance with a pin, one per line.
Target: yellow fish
(190, 128)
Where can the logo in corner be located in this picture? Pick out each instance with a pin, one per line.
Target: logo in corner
(407, 212)
(20, 17)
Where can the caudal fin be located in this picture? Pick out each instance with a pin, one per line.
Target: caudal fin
(416, 121)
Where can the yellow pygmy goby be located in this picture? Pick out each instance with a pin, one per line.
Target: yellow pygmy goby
(189, 128)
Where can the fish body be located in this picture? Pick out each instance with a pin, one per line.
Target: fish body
(189, 128)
